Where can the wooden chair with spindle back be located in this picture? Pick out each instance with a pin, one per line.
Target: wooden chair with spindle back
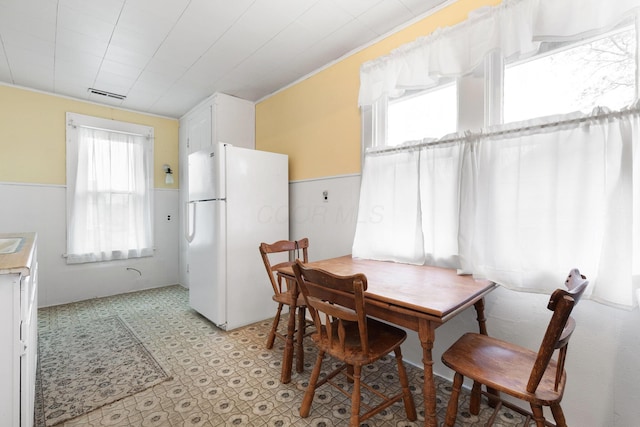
(517, 371)
(343, 331)
(285, 293)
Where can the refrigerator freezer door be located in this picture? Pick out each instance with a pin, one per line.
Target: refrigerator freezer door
(207, 265)
(257, 211)
(206, 176)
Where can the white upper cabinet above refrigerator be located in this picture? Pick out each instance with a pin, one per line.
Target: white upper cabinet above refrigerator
(222, 118)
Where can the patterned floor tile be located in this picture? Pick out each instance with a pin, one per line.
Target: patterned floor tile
(229, 378)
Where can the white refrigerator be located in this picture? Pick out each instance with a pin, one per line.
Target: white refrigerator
(238, 198)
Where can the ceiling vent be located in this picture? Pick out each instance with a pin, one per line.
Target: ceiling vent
(105, 93)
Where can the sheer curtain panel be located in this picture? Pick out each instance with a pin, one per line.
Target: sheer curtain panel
(555, 196)
(389, 226)
(109, 192)
(516, 205)
(440, 184)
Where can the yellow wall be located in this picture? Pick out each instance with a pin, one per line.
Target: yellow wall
(33, 143)
(317, 121)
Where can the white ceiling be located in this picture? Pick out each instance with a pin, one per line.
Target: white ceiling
(166, 56)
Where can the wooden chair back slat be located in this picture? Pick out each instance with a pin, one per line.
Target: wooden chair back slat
(337, 306)
(333, 302)
(293, 247)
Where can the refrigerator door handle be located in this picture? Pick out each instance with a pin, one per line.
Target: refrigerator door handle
(190, 223)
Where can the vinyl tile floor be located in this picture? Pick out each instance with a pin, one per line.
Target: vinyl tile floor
(222, 378)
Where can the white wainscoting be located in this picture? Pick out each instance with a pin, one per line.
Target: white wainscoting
(41, 208)
(329, 225)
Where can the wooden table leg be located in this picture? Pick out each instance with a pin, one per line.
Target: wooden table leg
(426, 334)
(482, 321)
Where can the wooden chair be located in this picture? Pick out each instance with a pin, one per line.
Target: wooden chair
(343, 330)
(285, 292)
(519, 372)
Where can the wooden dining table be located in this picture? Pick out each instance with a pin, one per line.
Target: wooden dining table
(416, 297)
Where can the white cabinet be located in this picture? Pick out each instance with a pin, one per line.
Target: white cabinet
(18, 331)
(221, 118)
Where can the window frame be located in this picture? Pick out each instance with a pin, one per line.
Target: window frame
(481, 94)
(409, 95)
(563, 46)
(470, 114)
(73, 122)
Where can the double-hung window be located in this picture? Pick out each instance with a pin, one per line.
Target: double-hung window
(109, 189)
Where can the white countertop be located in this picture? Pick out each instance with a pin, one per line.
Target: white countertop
(18, 262)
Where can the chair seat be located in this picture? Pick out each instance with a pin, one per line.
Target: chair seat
(503, 366)
(287, 298)
(383, 338)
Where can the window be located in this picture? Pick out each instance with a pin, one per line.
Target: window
(426, 114)
(109, 189)
(517, 203)
(573, 77)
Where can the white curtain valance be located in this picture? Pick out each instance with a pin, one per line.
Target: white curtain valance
(515, 28)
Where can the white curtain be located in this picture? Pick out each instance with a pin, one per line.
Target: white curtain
(514, 28)
(409, 204)
(389, 224)
(555, 197)
(520, 206)
(110, 196)
(440, 184)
